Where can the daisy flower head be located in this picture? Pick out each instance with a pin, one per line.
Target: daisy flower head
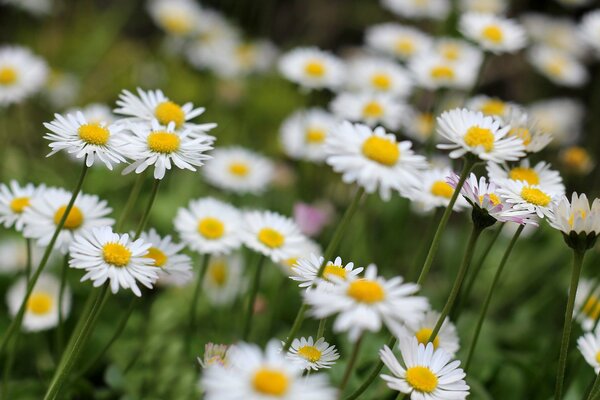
(483, 6)
(61, 88)
(312, 68)
(370, 108)
(224, 279)
(14, 200)
(434, 71)
(577, 160)
(46, 211)
(526, 128)
(109, 256)
(239, 170)
(153, 105)
(380, 75)
(558, 66)
(175, 268)
(395, 40)
(493, 33)
(446, 339)
(492, 106)
(365, 304)
(312, 355)
(176, 17)
(557, 33)
(587, 304)
(523, 196)
(209, 226)
(14, 255)
(94, 141)
(214, 354)
(457, 50)
(425, 373)
(560, 117)
(589, 346)
(22, 74)
(271, 234)
(417, 9)
(418, 125)
(577, 220)
(95, 113)
(242, 58)
(41, 311)
(151, 144)
(306, 269)
(303, 134)
(432, 190)
(373, 158)
(302, 250)
(484, 136)
(541, 174)
(590, 30)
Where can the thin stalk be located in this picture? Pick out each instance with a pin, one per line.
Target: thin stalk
(488, 298)
(61, 294)
(134, 193)
(593, 391)
(194, 304)
(29, 261)
(146, 215)
(427, 238)
(15, 324)
(321, 330)
(8, 364)
(350, 366)
(564, 346)
(252, 297)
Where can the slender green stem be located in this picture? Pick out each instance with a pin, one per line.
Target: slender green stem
(321, 330)
(197, 290)
(564, 346)
(134, 193)
(146, 215)
(595, 387)
(427, 238)
(488, 299)
(61, 295)
(15, 324)
(469, 163)
(350, 365)
(252, 297)
(29, 261)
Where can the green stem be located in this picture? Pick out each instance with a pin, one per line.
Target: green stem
(15, 324)
(61, 293)
(564, 346)
(488, 298)
(321, 330)
(252, 297)
(427, 238)
(29, 261)
(350, 365)
(146, 215)
(10, 359)
(134, 193)
(197, 290)
(593, 393)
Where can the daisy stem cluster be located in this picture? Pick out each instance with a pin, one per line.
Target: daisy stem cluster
(131, 199)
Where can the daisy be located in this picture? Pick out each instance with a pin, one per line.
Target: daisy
(589, 346)
(379, 75)
(209, 226)
(587, 304)
(526, 128)
(576, 215)
(252, 374)
(302, 250)
(154, 145)
(558, 66)
(106, 255)
(214, 354)
(541, 174)
(483, 6)
(364, 304)
(61, 89)
(14, 200)
(175, 267)
(526, 197)
(557, 33)
(397, 40)
(152, 105)
(425, 373)
(373, 158)
(493, 33)
(590, 30)
(41, 311)
(561, 117)
(312, 355)
(238, 58)
(94, 141)
(414, 9)
(175, 17)
(13, 253)
(492, 106)
(306, 269)
(431, 190)
(312, 68)
(446, 339)
(418, 125)
(303, 134)
(472, 132)
(576, 159)
(370, 108)
(95, 113)
(22, 74)
(224, 279)
(271, 234)
(45, 212)
(456, 50)
(239, 170)
(433, 71)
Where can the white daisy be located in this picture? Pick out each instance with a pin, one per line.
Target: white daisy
(90, 140)
(418, 125)
(22, 74)
(209, 226)
(457, 50)
(302, 250)
(175, 17)
(312, 68)
(238, 58)
(446, 339)
(14, 200)
(558, 33)
(425, 373)
(435, 9)
(106, 255)
(373, 74)
(253, 375)
(483, 6)
(558, 66)
(561, 117)
(239, 170)
(587, 304)
(370, 108)
(433, 71)
(95, 113)
(175, 267)
(576, 215)
(541, 174)
(13, 253)
(41, 311)
(45, 212)
(397, 40)
(589, 346)
(526, 128)
(303, 134)
(271, 234)
(472, 132)
(373, 158)
(492, 32)
(524, 196)
(590, 30)
(432, 190)
(492, 106)
(306, 269)
(224, 280)
(214, 354)
(61, 89)
(365, 304)
(154, 145)
(312, 355)
(577, 160)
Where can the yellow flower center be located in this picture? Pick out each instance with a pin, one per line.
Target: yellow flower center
(442, 72)
(381, 81)
(270, 382)
(116, 254)
(524, 174)
(246, 54)
(18, 204)
(404, 46)
(163, 142)
(74, 219)
(576, 157)
(315, 135)
(315, 69)
(334, 270)
(239, 169)
(493, 33)
(421, 379)
(493, 198)
(572, 217)
(598, 357)
(40, 303)
(177, 23)
(493, 107)
(442, 189)
(271, 238)
(591, 308)
(167, 112)
(211, 228)
(372, 110)
(477, 136)
(535, 196)
(425, 124)
(159, 256)
(93, 133)
(366, 291)
(8, 76)
(522, 133)
(382, 150)
(310, 353)
(423, 336)
(556, 66)
(218, 273)
(451, 52)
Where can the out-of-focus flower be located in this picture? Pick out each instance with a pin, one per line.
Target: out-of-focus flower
(527, 129)
(14, 200)
(446, 339)
(560, 117)
(587, 304)
(418, 125)
(175, 267)
(432, 190)
(457, 50)
(214, 354)
(379, 75)
(576, 159)
(312, 218)
(403, 42)
(224, 279)
(370, 108)
(61, 89)
(236, 59)
(434, 9)
(589, 346)
(557, 33)
(492, 106)
(433, 71)
(311, 354)
(558, 66)
(13, 253)
(590, 30)
(312, 68)
(303, 134)
(22, 74)
(176, 17)
(484, 6)
(493, 33)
